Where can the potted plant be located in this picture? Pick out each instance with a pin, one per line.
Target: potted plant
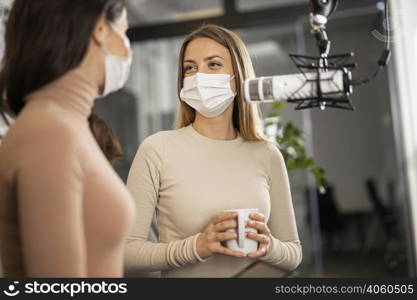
(291, 142)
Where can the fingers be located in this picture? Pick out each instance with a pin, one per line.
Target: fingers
(224, 216)
(218, 233)
(261, 238)
(226, 236)
(260, 252)
(227, 251)
(257, 217)
(260, 226)
(224, 225)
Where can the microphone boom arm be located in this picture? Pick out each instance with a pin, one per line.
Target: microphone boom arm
(325, 80)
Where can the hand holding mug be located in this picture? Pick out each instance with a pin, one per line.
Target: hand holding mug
(243, 243)
(210, 240)
(257, 221)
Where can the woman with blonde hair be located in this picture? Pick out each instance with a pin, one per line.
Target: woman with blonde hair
(216, 159)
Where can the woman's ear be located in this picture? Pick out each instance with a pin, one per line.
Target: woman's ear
(101, 31)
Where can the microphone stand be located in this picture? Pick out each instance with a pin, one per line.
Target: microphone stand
(320, 12)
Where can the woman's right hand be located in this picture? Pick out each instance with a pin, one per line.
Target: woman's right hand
(210, 240)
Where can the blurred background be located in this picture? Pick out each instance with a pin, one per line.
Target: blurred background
(365, 224)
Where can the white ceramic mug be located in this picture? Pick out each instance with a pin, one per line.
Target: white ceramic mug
(243, 243)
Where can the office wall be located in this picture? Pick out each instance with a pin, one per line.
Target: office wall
(404, 26)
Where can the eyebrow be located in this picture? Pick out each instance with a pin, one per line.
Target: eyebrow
(206, 59)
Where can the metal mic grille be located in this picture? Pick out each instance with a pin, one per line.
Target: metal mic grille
(268, 89)
(263, 92)
(253, 90)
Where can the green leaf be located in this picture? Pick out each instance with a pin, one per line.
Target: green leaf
(292, 146)
(279, 105)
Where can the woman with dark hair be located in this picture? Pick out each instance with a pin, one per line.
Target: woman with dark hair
(63, 210)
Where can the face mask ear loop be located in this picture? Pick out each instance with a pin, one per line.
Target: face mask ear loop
(105, 50)
(231, 78)
(126, 41)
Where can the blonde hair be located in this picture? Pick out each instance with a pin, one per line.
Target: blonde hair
(246, 116)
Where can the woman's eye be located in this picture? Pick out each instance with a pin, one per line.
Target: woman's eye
(214, 65)
(188, 68)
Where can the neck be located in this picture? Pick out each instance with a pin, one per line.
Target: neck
(93, 68)
(219, 128)
(74, 91)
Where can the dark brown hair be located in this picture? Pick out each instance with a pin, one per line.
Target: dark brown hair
(106, 138)
(44, 40)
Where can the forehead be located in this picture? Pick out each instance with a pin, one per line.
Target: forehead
(201, 48)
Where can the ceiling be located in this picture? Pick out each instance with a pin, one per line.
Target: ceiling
(161, 11)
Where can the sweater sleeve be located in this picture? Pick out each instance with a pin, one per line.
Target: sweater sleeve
(285, 251)
(49, 183)
(143, 183)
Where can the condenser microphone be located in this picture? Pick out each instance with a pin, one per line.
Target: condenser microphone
(298, 88)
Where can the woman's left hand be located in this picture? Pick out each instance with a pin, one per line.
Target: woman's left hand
(257, 221)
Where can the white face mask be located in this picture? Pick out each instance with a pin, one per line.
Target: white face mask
(209, 94)
(117, 68)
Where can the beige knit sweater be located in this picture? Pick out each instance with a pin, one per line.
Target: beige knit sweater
(189, 179)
